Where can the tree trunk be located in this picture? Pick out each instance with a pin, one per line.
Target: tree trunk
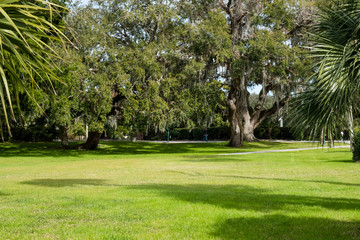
(92, 141)
(351, 129)
(269, 132)
(322, 137)
(86, 131)
(64, 137)
(158, 136)
(236, 137)
(331, 138)
(247, 119)
(249, 128)
(139, 135)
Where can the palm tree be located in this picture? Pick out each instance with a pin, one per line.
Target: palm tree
(26, 30)
(326, 107)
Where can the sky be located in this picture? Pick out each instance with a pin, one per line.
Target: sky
(84, 2)
(255, 89)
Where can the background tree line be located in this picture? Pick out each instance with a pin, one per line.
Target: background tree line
(146, 66)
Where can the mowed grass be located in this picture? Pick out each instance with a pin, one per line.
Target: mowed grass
(177, 191)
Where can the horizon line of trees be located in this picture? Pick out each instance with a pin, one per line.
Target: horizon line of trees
(134, 67)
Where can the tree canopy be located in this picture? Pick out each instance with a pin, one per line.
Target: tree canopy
(140, 67)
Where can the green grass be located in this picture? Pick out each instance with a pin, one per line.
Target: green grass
(177, 191)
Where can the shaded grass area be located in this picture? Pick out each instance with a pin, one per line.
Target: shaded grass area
(143, 148)
(285, 227)
(160, 192)
(247, 198)
(65, 182)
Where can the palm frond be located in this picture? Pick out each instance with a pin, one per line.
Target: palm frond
(325, 105)
(24, 26)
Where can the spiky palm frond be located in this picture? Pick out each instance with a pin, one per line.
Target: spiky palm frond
(335, 83)
(26, 29)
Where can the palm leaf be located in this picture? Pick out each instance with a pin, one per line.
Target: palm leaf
(24, 26)
(335, 48)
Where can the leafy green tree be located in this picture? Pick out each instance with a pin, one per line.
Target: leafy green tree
(64, 110)
(164, 58)
(91, 72)
(171, 50)
(151, 65)
(266, 51)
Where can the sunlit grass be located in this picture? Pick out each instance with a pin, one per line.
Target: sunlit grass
(177, 191)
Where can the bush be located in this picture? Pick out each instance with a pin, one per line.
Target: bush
(356, 151)
(183, 133)
(223, 133)
(198, 134)
(219, 133)
(274, 133)
(33, 133)
(286, 133)
(214, 133)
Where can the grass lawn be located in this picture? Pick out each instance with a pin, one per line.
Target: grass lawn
(177, 191)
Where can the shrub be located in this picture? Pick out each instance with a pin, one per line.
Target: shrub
(223, 133)
(274, 133)
(214, 133)
(33, 133)
(356, 146)
(198, 134)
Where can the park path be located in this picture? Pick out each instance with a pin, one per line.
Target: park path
(280, 150)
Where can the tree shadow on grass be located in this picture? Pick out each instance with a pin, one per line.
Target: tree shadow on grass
(65, 182)
(197, 174)
(247, 198)
(267, 225)
(4, 194)
(257, 154)
(105, 148)
(127, 148)
(217, 158)
(241, 197)
(284, 227)
(342, 161)
(289, 180)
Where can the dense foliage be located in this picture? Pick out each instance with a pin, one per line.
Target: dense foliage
(25, 32)
(140, 68)
(356, 146)
(326, 107)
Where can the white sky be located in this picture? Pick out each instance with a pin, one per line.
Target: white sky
(84, 2)
(255, 89)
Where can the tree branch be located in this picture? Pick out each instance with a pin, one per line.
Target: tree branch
(226, 8)
(266, 113)
(229, 4)
(260, 104)
(299, 26)
(153, 34)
